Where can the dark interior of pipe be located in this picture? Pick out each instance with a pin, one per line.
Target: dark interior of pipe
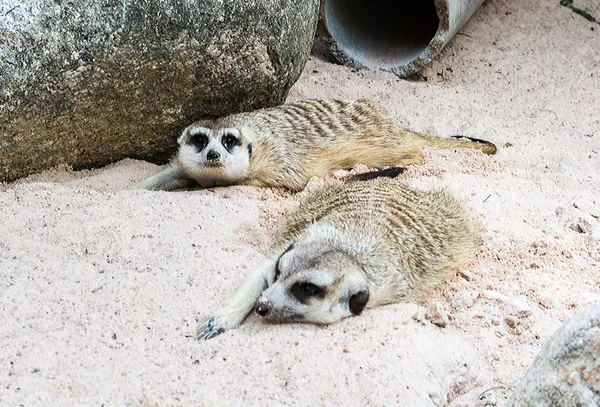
(382, 33)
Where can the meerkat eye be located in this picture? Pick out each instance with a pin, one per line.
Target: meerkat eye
(229, 140)
(304, 291)
(199, 140)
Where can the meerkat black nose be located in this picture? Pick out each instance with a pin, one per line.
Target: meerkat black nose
(262, 308)
(213, 155)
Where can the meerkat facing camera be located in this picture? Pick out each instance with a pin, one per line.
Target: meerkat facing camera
(286, 146)
(350, 246)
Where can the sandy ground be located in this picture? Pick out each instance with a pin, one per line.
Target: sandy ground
(102, 287)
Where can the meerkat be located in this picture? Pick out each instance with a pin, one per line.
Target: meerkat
(286, 146)
(350, 246)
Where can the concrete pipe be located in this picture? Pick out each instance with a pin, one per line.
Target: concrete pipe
(396, 36)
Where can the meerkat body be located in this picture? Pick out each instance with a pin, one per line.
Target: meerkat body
(354, 245)
(287, 145)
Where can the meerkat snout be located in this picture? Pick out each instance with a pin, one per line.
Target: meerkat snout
(213, 155)
(263, 307)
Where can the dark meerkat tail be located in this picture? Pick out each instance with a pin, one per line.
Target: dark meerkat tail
(366, 176)
(484, 146)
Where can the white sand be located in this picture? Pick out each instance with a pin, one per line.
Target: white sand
(101, 286)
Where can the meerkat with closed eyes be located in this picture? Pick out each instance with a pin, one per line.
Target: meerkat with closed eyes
(286, 146)
(350, 246)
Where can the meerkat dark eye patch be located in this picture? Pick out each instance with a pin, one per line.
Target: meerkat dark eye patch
(229, 141)
(199, 140)
(304, 291)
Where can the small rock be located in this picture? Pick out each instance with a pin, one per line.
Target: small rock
(510, 322)
(581, 226)
(467, 276)
(437, 315)
(420, 316)
(546, 301)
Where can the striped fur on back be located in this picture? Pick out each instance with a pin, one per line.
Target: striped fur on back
(314, 137)
(398, 233)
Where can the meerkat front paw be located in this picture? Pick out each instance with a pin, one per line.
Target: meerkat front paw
(209, 329)
(217, 324)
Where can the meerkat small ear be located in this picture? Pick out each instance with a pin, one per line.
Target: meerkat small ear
(358, 301)
(180, 139)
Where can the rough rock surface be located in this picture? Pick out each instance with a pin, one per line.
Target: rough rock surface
(567, 370)
(87, 83)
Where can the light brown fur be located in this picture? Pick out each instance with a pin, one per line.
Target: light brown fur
(366, 243)
(294, 142)
(415, 239)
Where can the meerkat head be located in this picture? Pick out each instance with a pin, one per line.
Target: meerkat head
(214, 155)
(314, 283)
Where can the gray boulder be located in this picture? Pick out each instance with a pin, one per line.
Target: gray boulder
(86, 83)
(567, 370)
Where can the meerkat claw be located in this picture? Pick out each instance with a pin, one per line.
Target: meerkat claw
(203, 328)
(208, 330)
(209, 334)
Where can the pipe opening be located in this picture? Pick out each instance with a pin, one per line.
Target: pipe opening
(382, 33)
